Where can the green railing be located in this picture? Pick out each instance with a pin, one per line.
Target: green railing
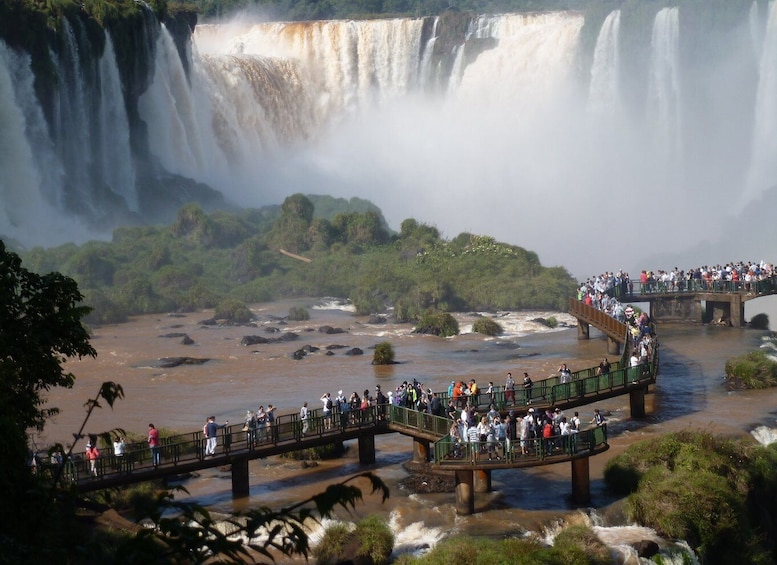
(286, 431)
(453, 451)
(765, 286)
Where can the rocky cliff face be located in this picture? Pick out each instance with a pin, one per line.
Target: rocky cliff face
(74, 84)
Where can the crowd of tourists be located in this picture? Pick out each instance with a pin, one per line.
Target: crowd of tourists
(747, 276)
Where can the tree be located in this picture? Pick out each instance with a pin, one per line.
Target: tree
(40, 326)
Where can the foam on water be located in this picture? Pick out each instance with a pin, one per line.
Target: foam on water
(765, 435)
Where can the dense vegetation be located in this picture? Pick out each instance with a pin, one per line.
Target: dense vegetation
(752, 370)
(225, 260)
(575, 545)
(718, 494)
(40, 327)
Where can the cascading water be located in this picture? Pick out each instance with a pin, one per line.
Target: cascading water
(493, 131)
(763, 167)
(114, 142)
(604, 92)
(663, 104)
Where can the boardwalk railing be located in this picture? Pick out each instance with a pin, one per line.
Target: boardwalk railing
(290, 433)
(455, 451)
(606, 323)
(637, 289)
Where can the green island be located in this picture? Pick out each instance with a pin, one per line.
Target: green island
(343, 248)
(753, 370)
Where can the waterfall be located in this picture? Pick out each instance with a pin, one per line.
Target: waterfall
(73, 129)
(604, 91)
(763, 167)
(179, 118)
(116, 166)
(496, 135)
(663, 101)
(20, 181)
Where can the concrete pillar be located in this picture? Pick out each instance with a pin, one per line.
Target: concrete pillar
(240, 488)
(482, 480)
(581, 484)
(583, 329)
(613, 347)
(465, 494)
(737, 311)
(637, 403)
(367, 449)
(420, 450)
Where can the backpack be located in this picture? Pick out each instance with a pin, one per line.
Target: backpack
(328, 403)
(573, 424)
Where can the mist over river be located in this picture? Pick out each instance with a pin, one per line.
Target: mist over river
(689, 394)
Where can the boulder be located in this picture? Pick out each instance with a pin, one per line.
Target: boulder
(168, 362)
(354, 351)
(646, 548)
(187, 340)
(253, 340)
(331, 330)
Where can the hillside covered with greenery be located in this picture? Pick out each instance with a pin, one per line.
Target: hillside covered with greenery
(202, 260)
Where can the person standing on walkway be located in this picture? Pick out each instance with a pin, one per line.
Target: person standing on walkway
(510, 390)
(304, 416)
(527, 386)
(326, 411)
(211, 432)
(153, 444)
(92, 454)
(118, 452)
(270, 416)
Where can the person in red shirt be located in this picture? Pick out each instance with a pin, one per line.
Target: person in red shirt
(153, 443)
(92, 454)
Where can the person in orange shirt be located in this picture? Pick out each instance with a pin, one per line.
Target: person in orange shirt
(92, 454)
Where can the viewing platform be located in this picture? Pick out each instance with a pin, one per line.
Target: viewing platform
(185, 453)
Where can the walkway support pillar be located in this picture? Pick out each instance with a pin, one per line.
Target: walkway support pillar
(465, 493)
(240, 488)
(583, 330)
(482, 480)
(581, 483)
(637, 403)
(367, 449)
(420, 450)
(613, 347)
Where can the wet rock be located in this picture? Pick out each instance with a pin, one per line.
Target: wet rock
(187, 340)
(299, 354)
(354, 351)
(646, 548)
(376, 319)
(174, 334)
(331, 330)
(168, 362)
(253, 340)
(330, 347)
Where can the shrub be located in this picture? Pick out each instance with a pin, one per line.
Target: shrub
(375, 539)
(384, 354)
(437, 322)
(233, 311)
(487, 326)
(552, 322)
(298, 314)
(753, 370)
(332, 544)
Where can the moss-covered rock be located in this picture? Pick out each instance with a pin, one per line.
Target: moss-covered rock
(753, 370)
(716, 493)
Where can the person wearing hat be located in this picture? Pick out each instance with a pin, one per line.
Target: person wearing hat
(92, 454)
